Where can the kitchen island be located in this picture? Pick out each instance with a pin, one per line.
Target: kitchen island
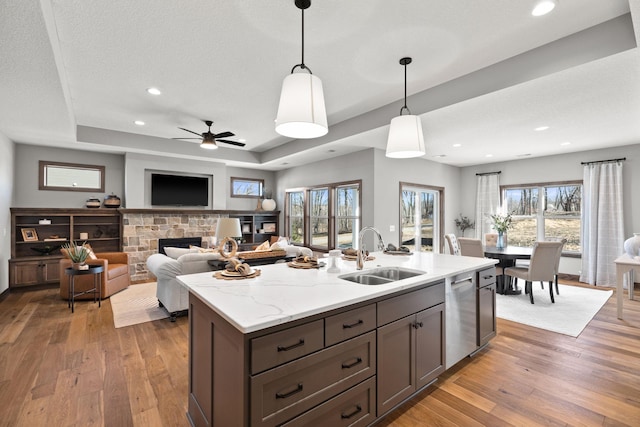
(304, 347)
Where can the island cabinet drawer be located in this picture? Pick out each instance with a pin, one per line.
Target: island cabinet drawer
(349, 324)
(486, 277)
(354, 408)
(287, 391)
(403, 305)
(281, 347)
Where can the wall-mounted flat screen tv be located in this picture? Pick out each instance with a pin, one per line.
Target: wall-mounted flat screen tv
(179, 190)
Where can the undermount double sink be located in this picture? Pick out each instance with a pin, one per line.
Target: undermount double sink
(381, 276)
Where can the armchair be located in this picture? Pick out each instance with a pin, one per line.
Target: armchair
(114, 279)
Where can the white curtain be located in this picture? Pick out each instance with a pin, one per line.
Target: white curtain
(602, 225)
(487, 202)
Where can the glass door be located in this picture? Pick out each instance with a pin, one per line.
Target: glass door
(420, 216)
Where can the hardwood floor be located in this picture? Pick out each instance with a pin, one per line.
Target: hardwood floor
(58, 368)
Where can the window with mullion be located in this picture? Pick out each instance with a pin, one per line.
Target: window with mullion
(347, 215)
(319, 218)
(294, 216)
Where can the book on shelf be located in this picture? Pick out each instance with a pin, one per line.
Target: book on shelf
(57, 239)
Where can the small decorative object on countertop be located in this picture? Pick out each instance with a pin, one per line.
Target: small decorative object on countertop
(632, 245)
(112, 201)
(93, 202)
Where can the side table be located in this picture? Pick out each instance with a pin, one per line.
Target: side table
(96, 270)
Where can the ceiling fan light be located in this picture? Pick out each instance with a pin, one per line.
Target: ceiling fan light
(208, 144)
(405, 138)
(301, 112)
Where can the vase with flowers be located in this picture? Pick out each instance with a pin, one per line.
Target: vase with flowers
(501, 223)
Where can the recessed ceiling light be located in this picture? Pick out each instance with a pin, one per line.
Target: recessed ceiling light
(285, 163)
(331, 151)
(565, 143)
(540, 128)
(489, 155)
(242, 140)
(139, 122)
(154, 91)
(543, 7)
(457, 145)
(440, 155)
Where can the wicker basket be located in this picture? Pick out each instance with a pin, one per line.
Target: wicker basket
(261, 254)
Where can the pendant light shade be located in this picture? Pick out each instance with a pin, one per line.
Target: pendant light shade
(405, 137)
(301, 112)
(405, 132)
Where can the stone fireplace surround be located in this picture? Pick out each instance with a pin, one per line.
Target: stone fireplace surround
(141, 229)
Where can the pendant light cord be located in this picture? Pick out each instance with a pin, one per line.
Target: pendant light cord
(405, 62)
(302, 65)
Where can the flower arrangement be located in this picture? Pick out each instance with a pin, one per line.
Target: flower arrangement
(501, 222)
(464, 223)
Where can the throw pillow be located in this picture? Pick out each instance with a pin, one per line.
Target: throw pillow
(92, 255)
(264, 246)
(175, 253)
(198, 249)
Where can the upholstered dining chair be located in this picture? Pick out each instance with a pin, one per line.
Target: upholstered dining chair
(471, 247)
(541, 268)
(491, 239)
(452, 242)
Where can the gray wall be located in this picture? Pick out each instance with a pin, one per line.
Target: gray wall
(27, 194)
(7, 151)
(381, 179)
(561, 167)
(137, 185)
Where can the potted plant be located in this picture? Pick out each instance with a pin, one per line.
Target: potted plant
(78, 255)
(464, 223)
(501, 223)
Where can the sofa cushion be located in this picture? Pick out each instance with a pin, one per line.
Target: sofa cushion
(175, 253)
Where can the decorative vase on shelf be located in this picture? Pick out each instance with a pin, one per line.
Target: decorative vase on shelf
(632, 245)
(268, 204)
(500, 242)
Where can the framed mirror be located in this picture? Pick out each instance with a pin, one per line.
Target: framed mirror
(56, 176)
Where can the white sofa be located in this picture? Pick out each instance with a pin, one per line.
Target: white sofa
(171, 294)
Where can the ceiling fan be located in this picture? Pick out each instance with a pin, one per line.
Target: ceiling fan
(209, 139)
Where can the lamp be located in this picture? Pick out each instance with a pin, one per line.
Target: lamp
(208, 142)
(405, 133)
(301, 112)
(228, 227)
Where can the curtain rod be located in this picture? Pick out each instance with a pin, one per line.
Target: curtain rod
(603, 161)
(489, 173)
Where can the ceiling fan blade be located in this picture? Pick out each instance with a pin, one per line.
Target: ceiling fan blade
(187, 138)
(239, 144)
(195, 133)
(224, 134)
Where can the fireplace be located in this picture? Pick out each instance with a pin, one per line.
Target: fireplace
(182, 242)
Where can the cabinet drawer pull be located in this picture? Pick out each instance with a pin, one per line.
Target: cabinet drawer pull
(357, 410)
(298, 389)
(352, 325)
(292, 346)
(351, 365)
(487, 277)
(418, 325)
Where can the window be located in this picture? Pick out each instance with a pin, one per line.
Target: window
(324, 217)
(545, 212)
(247, 187)
(70, 177)
(347, 215)
(420, 216)
(294, 216)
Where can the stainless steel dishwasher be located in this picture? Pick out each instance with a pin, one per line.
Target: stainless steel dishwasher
(460, 298)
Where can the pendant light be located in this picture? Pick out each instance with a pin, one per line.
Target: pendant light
(405, 133)
(301, 113)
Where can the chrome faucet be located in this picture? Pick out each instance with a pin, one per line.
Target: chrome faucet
(361, 254)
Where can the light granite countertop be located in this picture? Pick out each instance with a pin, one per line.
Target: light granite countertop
(282, 294)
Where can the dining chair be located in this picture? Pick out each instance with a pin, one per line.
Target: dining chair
(452, 242)
(474, 247)
(541, 268)
(491, 239)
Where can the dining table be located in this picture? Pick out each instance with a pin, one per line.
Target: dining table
(507, 257)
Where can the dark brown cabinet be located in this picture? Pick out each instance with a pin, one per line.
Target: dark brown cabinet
(410, 355)
(486, 298)
(257, 227)
(38, 233)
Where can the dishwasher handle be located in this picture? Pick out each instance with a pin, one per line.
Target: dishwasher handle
(462, 281)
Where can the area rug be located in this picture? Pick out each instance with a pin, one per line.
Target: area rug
(136, 304)
(573, 310)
